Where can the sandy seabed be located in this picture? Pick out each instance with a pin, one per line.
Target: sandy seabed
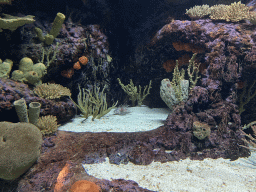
(186, 175)
(209, 175)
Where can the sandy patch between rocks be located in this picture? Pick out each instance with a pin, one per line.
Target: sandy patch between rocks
(185, 175)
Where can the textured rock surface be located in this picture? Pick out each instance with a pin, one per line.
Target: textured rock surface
(69, 150)
(11, 91)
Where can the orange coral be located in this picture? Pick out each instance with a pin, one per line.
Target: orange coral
(68, 73)
(84, 186)
(83, 60)
(77, 66)
(63, 174)
(169, 65)
(240, 85)
(189, 47)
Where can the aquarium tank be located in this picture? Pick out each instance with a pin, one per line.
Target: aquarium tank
(127, 95)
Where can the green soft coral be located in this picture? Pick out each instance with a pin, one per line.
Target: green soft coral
(135, 93)
(93, 102)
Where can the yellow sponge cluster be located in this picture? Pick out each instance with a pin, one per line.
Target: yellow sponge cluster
(29, 72)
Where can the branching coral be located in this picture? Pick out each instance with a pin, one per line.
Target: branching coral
(47, 52)
(193, 70)
(247, 94)
(177, 83)
(47, 124)
(133, 93)
(51, 91)
(197, 12)
(176, 91)
(93, 103)
(234, 12)
(251, 140)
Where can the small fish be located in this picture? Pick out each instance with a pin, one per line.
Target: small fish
(122, 110)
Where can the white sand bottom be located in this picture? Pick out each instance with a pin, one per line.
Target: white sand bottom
(139, 119)
(193, 176)
(213, 175)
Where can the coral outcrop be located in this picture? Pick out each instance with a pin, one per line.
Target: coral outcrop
(11, 91)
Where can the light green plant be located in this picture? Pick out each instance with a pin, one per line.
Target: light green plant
(175, 91)
(47, 52)
(252, 17)
(246, 96)
(40, 69)
(9, 2)
(178, 76)
(250, 140)
(135, 93)
(93, 102)
(193, 70)
(177, 79)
